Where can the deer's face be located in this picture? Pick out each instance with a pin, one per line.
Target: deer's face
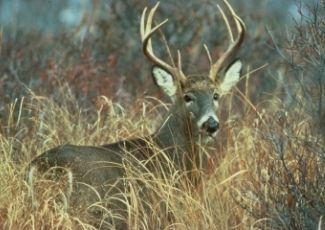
(199, 95)
(200, 98)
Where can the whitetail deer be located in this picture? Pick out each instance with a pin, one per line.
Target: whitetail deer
(192, 119)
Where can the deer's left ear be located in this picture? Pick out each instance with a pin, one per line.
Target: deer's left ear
(165, 81)
(232, 75)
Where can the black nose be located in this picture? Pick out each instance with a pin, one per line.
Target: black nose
(211, 125)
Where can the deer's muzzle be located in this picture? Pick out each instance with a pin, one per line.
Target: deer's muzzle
(211, 125)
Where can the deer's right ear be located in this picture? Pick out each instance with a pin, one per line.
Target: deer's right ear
(232, 75)
(165, 81)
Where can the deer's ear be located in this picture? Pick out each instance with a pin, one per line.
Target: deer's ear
(165, 81)
(232, 75)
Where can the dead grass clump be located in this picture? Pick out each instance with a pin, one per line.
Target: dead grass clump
(271, 174)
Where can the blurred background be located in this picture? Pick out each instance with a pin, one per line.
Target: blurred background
(53, 16)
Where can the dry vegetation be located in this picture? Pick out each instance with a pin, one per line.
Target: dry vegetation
(269, 168)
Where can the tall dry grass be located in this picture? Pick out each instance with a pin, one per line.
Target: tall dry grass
(269, 168)
(268, 174)
(35, 124)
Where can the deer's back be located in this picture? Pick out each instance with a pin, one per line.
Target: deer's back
(94, 165)
(91, 167)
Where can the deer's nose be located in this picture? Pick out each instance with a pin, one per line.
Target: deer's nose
(211, 125)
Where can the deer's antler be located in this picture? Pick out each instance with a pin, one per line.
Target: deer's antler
(234, 44)
(146, 32)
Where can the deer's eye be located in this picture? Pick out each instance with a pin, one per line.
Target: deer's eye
(215, 96)
(188, 98)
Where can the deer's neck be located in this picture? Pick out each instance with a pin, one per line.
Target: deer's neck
(177, 132)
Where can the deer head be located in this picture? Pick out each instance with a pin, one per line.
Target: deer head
(199, 95)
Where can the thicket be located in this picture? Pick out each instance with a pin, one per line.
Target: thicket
(96, 89)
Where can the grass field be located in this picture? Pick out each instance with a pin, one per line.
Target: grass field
(269, 156)
(269, 168)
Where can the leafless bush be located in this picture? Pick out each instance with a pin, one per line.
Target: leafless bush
(286, 189)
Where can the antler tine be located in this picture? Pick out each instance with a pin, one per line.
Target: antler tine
(234, 44)
(146, 32)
